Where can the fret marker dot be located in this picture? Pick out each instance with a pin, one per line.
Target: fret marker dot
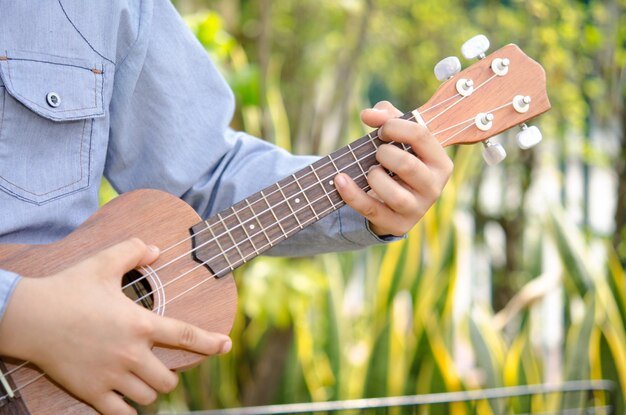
(330, 182)
(251, 226)
(297, 200)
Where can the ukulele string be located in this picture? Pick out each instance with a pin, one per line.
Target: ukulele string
(152, 272)
(40, 375)
(262, 230)
(306, 223)
(462, 98)
(471, 119)
(244, 259)
(311, 220)
(423, 111)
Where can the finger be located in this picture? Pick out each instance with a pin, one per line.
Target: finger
(412, 171)
(377, 116)
(372, 209)
(424, 144)
(112, 403)
(125, 256)
(182, 335)
(153, 372)
(392, 193)
(133, 388)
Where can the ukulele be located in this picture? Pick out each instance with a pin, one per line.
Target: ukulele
(192, 279)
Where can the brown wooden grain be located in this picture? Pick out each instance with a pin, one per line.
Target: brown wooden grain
(157, 218)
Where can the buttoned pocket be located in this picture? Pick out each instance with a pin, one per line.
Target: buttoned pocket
(48, 108)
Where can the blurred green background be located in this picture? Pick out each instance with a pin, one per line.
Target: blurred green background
(516, 276)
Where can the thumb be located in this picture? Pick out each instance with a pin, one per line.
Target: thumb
(124, 256)
(377, 116)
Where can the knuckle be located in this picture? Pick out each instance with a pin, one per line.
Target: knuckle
(405, 166)
(383, 104)
(148, 397)
(169, 383)
(137, 243)
(432, 191)
(143, 327)
(131, 358)
(398, 201)
(369, 211)
(448, 167)
(187, 336)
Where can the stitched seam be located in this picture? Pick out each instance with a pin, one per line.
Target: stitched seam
(136, 39)
(34, 202)
(81, 35)
(47, 109)
(64, 186)
(49, 63)
(4, 98)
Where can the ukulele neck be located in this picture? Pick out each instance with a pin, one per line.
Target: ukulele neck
(247, 229)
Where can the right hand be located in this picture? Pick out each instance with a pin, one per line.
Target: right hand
(80, 329)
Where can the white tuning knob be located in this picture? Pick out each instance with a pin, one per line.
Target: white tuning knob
(447, 68)
(475, 47)
(528, 137)
(493, 153)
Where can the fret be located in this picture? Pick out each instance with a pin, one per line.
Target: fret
(305, 196)
(322, 185)
(332, 161)
(358, 162)
(290, 208)
(274, 214)
(256, 217)
(243, 258)
(373, 139)
(222, 250)
(245, 230)
(312, 185)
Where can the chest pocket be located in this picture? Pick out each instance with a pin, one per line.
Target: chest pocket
(48, 107)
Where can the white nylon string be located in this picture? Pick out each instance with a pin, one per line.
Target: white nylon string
(255, 216)
(262, 231)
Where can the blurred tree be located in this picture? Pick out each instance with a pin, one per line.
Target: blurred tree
(384, 321)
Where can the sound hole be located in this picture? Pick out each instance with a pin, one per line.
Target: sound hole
(138, 289)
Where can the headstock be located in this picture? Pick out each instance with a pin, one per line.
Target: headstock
(502, 90)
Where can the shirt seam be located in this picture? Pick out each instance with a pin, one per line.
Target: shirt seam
(81, 35)
(139, 28)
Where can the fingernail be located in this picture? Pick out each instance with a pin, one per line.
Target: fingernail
(340, 181)
(373, 167)
(153, 248)
(377, 109)
(227, 346)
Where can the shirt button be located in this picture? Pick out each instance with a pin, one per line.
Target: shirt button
(53, 99)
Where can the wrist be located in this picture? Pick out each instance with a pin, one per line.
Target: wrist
(16, 326)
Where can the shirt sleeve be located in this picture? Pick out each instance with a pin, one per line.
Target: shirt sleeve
(8, 281)
(170, 116)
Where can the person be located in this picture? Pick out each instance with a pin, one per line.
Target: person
(123, 90)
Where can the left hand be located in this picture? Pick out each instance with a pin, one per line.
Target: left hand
(395, 204)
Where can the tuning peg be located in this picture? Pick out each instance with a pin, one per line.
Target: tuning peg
(528, 137)
(447, 68)
(475, 47)
(493, 153)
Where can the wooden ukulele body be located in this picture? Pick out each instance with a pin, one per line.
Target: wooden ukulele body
(156, 218)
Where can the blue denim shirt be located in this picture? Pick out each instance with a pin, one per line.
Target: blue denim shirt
(122, 88)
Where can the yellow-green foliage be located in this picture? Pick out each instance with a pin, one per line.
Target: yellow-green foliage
(387, 321)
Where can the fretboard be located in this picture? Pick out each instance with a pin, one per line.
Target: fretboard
(252, 226)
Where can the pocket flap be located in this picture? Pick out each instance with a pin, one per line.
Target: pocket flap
(57, 88)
